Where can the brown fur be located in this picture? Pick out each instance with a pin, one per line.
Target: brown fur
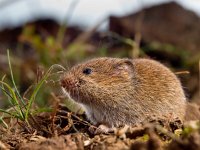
(124, 91)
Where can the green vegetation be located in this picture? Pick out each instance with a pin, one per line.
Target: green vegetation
(20, 107)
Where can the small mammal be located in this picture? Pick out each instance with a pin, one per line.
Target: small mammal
(116, 91)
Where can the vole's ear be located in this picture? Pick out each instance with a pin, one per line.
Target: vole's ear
(124, 66)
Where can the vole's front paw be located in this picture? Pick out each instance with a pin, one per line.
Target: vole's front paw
(100, 129)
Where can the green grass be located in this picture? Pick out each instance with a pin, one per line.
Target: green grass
(21, 108)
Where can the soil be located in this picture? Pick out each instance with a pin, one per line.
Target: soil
(63, 129)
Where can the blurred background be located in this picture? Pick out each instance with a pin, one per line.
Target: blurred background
(40, 33)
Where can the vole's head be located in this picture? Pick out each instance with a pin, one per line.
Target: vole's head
(97, 79)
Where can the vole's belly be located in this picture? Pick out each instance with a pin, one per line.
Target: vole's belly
(100, 117)
(114, 118)
(93, 115)
(110, 117)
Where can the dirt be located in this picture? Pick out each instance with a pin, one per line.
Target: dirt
(65, 130)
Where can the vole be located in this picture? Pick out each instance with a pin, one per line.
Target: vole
(115, 91)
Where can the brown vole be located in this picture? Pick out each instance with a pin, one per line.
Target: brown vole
(117, 91)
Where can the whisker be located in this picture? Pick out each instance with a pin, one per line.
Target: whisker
(56, 73)
(52, 81)
(55, 66)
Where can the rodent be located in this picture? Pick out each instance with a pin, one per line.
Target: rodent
(115, 91)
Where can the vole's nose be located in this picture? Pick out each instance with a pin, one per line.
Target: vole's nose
(68, 83)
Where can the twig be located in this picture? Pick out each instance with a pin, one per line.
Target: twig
(182, 72)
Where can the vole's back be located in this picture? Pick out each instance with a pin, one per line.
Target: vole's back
(158, 89)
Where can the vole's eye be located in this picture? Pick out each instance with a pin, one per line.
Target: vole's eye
(87, 71)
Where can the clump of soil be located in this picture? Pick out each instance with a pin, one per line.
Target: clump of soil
(63, 129)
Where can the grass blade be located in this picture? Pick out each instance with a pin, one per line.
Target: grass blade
(6, 93)
(15, 100)
(4, 111)
(3, 122)
(13, 81)
(41, 82)
(35, 93)
(10, 114)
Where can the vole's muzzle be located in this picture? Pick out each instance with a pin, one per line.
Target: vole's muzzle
(68, 83)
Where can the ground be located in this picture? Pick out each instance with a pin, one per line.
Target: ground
(63, 129)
